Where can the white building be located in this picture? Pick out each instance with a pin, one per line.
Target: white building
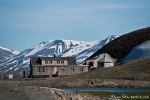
(102, 60)
(105, 61)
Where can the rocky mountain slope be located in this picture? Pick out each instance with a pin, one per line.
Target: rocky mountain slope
(6, 53)
(64, 48)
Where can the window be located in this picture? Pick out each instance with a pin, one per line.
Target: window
(43, 69)
(62, 62)
(81, 69)
(58, 62)
(101, 64)
(50, 62)
(73, 69)
(40, 69)
(46, 61)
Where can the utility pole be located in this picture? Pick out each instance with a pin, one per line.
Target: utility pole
(4, 73)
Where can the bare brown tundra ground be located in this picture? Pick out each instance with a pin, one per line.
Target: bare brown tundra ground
(11, 90)
(41, 89)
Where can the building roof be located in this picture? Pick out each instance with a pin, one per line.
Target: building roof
(37, 60)
(105, 58)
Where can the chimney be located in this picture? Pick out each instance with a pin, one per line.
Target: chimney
(104, 55)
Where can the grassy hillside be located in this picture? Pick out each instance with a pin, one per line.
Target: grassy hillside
(131, 70)
(122, 45)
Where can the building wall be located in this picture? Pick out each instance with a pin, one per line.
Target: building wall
(60, 70)
(95, 64)
(54, 62)
(47, 71)
(65, 70)
(108, 64)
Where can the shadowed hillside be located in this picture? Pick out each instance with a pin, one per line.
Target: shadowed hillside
(122, 45)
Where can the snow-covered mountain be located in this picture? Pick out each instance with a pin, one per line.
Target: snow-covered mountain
(64, 48)
(138, 52)
(6, 53)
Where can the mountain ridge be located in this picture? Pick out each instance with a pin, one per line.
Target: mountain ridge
(6, 53)
(61, 48)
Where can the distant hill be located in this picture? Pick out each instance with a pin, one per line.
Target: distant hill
(122, 45)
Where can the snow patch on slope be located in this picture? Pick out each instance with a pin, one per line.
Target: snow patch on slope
(15, 52)
(138, 52)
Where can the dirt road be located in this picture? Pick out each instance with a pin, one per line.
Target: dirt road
(21, 93)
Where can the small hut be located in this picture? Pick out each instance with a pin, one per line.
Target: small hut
(105, 61)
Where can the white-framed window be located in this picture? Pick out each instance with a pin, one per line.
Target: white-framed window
(46, 61)
(50, 62)
(81, 69)
(62, 62)
(58, 62)
(72, 69)
(40, 69)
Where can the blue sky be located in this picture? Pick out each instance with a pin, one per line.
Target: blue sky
(26, 23)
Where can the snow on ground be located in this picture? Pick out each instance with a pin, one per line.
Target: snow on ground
(141, 51)
(11, 61)
(79, 48)
(5, 48)
(26, 61)
(15, 52)
(16, 68)
(35, 50)
(10, 50)
(68, 42)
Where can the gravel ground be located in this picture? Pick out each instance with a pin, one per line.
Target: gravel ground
(22, 93)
